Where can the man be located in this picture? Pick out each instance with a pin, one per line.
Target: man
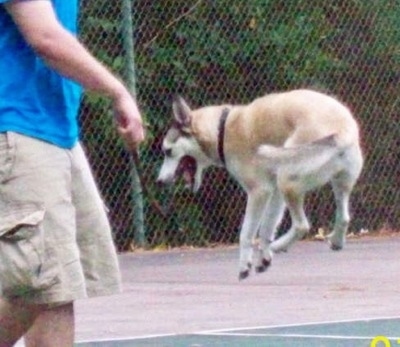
(55, 240)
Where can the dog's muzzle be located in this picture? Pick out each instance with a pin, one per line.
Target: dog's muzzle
(186, 170)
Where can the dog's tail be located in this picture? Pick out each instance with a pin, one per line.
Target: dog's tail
(302, 159)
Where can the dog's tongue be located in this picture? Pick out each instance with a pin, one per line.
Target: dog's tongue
(187, 170)
(188, 178)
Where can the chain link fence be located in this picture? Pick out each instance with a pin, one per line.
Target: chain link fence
(233, 51)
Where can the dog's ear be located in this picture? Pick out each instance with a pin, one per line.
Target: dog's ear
(182, 113)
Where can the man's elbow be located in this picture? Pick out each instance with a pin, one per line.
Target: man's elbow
(47, 43)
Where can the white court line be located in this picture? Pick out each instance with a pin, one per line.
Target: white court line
(116, 339)
(20, 343)
(299, 324)
(306, 336)
(231, 331)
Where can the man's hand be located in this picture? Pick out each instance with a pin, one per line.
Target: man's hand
(129, 120)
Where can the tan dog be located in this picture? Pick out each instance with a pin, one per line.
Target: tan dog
(278, 147)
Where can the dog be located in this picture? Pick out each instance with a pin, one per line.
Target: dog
(278, 147)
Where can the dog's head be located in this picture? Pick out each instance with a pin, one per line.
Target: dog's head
(183, 157)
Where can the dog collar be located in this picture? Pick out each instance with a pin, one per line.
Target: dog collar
(221, 134)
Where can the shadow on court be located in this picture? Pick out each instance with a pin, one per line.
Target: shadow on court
(184, 292)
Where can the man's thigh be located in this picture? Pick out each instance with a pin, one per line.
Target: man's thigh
(39, 255)
(57, 244)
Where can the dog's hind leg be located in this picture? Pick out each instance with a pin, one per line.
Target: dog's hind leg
(256, 202)
(272, 217)
(300, 225)
(342, 217)
(342, 184)
(293, 191)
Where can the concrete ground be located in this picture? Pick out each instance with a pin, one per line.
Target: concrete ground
(186, 291)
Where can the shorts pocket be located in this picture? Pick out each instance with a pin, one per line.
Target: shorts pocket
(26, 264)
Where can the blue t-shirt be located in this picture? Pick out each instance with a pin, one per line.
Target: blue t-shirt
(34, 99)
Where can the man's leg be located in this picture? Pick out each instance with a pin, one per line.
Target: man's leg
(53, 326)
(48, 326)
(16, 317)
(39, 262)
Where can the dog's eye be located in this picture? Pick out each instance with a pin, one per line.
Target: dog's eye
(168, 152)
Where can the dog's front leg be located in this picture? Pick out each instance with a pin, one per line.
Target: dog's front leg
(270, 221)
(255, 206)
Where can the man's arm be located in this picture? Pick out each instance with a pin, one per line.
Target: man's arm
(39, 26)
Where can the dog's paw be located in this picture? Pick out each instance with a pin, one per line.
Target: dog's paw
(243, 274)
(335, 247)
(265, 264)
(335, 243)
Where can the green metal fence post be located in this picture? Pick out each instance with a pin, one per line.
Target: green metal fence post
(138, 232)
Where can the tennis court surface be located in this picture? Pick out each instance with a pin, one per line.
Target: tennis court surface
(378, 332)
(192, 298)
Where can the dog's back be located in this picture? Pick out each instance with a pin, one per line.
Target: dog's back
(289, 119)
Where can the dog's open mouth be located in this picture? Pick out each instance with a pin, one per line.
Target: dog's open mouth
(187, 170)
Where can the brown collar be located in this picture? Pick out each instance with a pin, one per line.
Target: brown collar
(221, 134)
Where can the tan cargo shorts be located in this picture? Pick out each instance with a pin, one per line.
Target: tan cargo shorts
(55, 238)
